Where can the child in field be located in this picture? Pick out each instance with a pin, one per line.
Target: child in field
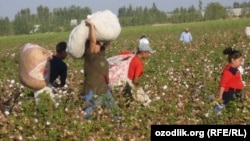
(135, 72)
(58, 69)
(58, 66)
(231, 83)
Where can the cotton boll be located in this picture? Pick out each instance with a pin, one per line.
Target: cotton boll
(180, 95)
(47, 123)
(12, 81)
(6, 113)
(165, 87)
(36, 120)
(57, 105)
(206, 114)
(241, 69)
(20, 137)
(21, 95)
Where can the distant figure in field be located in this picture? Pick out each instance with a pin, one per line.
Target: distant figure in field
(58, 66)
(142, 40)
(186, 36)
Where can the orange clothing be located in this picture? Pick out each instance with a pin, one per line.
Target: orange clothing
(125, 52)
(135, 68)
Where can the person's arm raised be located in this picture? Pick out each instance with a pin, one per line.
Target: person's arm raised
(92, 37)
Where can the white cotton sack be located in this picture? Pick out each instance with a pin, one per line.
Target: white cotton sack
(77, 38)
(34, 66)
(107, 25)
(107, 29)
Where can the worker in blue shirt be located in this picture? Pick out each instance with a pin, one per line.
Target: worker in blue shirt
(186, 36)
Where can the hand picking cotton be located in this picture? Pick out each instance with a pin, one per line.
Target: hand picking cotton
(107, 29)
(34, 66)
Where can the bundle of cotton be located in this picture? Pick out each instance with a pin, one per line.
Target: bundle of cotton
(107, 29)
(34, 66)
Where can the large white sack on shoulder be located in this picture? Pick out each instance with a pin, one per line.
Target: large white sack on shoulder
(107, 25)
(77, 38)
(34, 66)
(107, 29)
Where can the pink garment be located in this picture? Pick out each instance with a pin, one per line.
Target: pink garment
(118, 69)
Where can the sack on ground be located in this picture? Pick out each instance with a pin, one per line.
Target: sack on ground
(34, 66)
(107, 29)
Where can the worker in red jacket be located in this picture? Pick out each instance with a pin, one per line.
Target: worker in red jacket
(231, 83)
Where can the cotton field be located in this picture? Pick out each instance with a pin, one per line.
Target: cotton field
(181, 79)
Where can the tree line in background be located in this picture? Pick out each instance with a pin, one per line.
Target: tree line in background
(59, 19)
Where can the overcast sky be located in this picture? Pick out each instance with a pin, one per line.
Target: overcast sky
(9, 8)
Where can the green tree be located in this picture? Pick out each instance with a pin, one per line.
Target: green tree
(5, 28)
(215, 11)
(44, 18)
(200, 5)
(22, 23)
(236, 5)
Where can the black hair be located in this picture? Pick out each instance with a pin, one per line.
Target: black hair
(61, 46)
(143, 36)
(232, 54)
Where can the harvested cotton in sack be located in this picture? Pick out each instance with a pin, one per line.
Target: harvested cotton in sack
(34, 66)
(118, 69)
(106, 24)
(107, 29)
(76, 43)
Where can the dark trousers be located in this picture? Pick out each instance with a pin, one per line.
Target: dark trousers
(231, 95)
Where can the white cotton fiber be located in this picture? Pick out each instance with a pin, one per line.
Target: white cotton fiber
(76, 43)
(107, 25)
(107, 29)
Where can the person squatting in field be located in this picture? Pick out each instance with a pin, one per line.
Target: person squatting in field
(231, 83)
(58, 66)
(96, 72)
(58, 69)
(135, 71)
